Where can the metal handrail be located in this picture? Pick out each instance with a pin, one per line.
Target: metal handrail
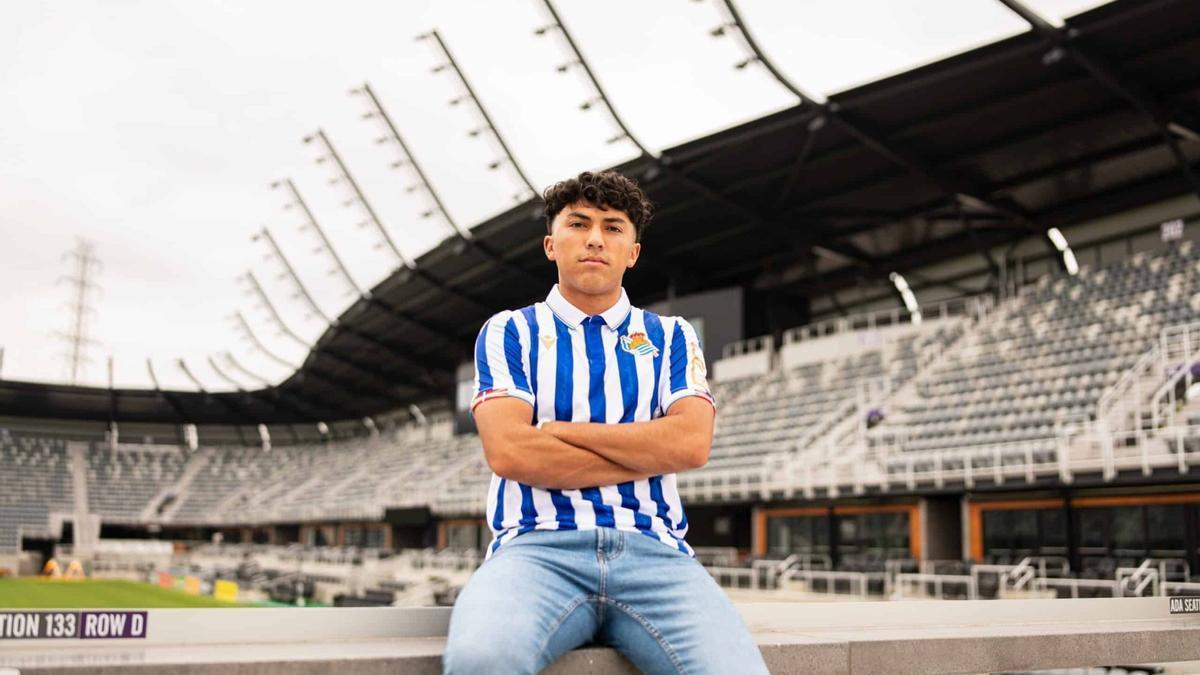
(858, 583)
(964, 305)
(905, 580)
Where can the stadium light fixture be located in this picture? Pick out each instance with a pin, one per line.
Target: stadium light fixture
(1060, 242)
(720, 30)
(1070, 261)
(1053, 56)
(1057, 238)
(907, 296)
(417, 414)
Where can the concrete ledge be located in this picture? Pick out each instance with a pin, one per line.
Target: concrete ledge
(868, 637)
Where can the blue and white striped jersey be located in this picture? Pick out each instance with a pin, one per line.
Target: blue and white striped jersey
(625, 365)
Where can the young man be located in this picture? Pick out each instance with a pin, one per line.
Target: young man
(587, 407)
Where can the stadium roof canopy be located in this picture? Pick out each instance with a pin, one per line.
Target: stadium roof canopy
(1047, 128)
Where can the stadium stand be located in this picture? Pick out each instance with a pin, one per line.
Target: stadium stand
(44, 486)
(1045, 359)
(945, 388)
(123, 480)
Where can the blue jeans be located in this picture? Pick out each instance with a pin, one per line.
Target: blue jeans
(547, 592)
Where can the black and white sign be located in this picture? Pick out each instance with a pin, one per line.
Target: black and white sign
(1186, 605)
(91, 625)
(1172, 230)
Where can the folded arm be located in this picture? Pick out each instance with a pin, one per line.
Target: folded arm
(517, 450)
(677, 441)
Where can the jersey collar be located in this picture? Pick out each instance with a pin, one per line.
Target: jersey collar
(573, 316)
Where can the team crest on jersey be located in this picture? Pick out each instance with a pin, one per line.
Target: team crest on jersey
(547, 340)
(638, 345)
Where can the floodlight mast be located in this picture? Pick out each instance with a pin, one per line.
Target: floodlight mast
(226, 402)
(276, 318)
(248, 333)
(212, 363)
(601, 95)
(269, 393)
(153, 377)
(344, 271)
(257, 289)
(377, 111)
(290, 273)
(188, 372)
(326, 244)
(360, 198)
(302, 292)
(483, 113)
(407, 158)
(236, 365)
(408, 266)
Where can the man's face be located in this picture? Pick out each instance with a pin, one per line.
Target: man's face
(592, 247)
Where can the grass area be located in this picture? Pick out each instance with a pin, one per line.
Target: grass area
(32, 593)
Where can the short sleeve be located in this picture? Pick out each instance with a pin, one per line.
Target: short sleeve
(501, 363)
(686, 372)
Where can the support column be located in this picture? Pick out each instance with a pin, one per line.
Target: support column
(941, 528)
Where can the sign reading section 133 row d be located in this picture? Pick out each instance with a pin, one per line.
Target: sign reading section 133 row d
(67, 625)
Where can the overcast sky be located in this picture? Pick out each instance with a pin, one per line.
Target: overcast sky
(154, 128)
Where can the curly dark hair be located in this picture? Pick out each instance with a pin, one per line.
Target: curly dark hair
(605, 190)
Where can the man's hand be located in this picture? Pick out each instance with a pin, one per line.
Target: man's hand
(517, 450)
(678, 441)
